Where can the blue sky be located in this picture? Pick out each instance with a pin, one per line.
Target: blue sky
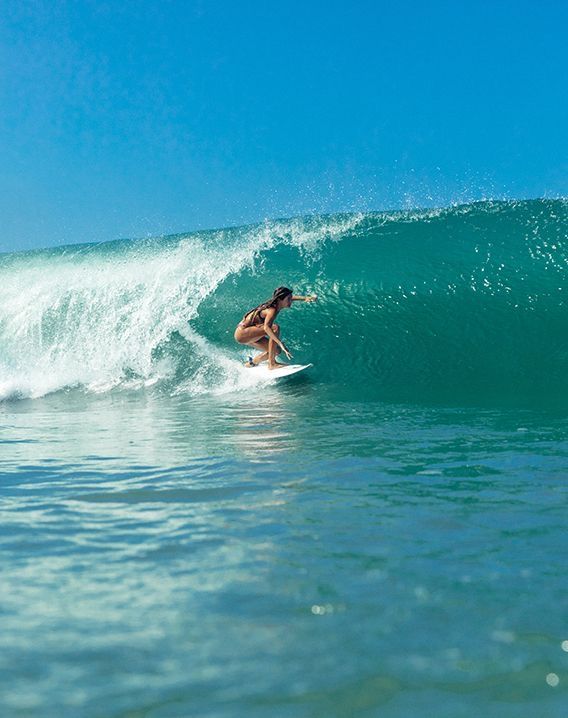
(125, 119)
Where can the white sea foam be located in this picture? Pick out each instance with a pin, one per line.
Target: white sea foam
(94, 317)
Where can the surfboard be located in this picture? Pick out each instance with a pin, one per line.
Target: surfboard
(264, 373)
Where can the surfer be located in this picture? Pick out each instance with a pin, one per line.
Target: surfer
(257, 329)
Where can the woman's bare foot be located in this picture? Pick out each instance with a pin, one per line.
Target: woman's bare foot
(278, 365)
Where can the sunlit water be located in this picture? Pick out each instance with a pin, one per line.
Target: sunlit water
(278, 554)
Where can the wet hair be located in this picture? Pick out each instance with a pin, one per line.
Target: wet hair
(278, 294)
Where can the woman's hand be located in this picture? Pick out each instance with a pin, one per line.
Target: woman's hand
(313, 298)
(285, 350)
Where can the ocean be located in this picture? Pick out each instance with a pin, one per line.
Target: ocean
(381, 535)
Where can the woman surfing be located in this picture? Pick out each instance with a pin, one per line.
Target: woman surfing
(257, 329)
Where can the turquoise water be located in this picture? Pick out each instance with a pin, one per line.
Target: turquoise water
(381, 536)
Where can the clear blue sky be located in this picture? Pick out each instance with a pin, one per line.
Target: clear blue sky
(122, 119)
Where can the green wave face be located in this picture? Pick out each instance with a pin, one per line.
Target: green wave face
(463, 305)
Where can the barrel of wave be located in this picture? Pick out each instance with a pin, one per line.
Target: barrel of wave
(461, 306)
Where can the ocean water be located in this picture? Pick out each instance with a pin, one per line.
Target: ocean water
(383, 535)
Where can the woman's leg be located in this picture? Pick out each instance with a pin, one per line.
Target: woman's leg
(255, 337)
(252, 337)
(274, 349)
(263, 345)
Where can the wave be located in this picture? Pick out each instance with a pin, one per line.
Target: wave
(463, 304)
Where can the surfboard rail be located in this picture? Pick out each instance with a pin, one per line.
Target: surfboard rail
(264, 373)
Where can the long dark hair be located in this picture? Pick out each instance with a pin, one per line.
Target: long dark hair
(278, 294)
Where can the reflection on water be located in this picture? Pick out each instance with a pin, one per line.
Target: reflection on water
(150, 429)
(279, 554)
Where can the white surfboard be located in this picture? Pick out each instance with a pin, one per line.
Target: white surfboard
(264, 373)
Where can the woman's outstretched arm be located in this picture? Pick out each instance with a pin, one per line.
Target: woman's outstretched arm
(312, 298)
